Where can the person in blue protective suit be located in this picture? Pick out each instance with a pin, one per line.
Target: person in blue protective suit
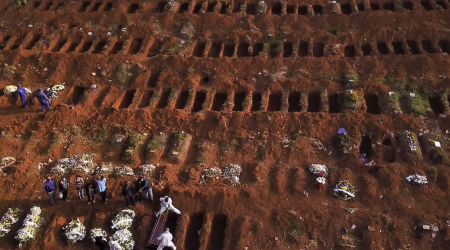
(22, 94)
(43, 99)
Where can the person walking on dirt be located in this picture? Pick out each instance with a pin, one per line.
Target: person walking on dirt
(101, 242)
(143, 187)
(126, 192)
(64, 185)
(91, 190)
(102, 188)
(166, 204)
(43, 99)
(22, 93)
(113, 244)
(50, 188)
(79, 184)
(166, 240)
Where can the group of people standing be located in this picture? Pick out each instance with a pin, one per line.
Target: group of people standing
(40, 95)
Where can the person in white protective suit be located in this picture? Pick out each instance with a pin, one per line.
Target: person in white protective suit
(166, 240)
(166, 203)
(113, 244)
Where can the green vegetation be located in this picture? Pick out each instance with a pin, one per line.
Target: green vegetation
(416, 105)
(122, 74)
(100, 135)
(156, 143)
(350, 100)
(344, 143)
(20, 3)
(180, 137)
(134, 141)
(261, 151)
(392, 102)
(334, 31)
(296, 232)
(9, 69)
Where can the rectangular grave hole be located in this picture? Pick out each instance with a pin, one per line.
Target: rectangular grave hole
(398, 48)
(211, 6)
(317, 9)
(16, 43)
(58, 6)
(237, 7)
(108, 6)
(274, 102)
(382, 48)
(242, 50)
(375, 6)
(153, 79)
(314, 101)
(48, 5)
(287, 49)
(223, 7)
(33, 41)
(349, 51)
(199, 49)
(192, 239)
(333, 103)
(426, 5)
(84, 6)
(135, 46)
(318, 49)
(372, 104)
(184, 8)
(251, 9)
(199, 100)
(4, 42)
(443, 4)
(96, 6)
(389, 6)
(346, 8)
(73, 45)
(445, 46)
(257, 48)
(164, 99)
(99, 47)
(217, 236)
(197, 8)
(274, 50)
(117, 47)
(290, 9)
(86, 46)
(436, 105)
(361, 7)
(182, 99)
(303, 48)
(256, 101)
(276, 8)
(302, 10)
(294, 102)
(215, 49)
(160, 6)
(238, 101)
(145, 101)
(365, 148)
(218, 101)
(228, 51)
(407, 5)
(127, 99)
(133, 8)
(156, 47)
(171, 223)
(77, 95)
(413, 48)
(427, 45)
(37, 4)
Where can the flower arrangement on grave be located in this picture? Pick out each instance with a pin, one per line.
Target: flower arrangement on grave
(96, 232)
(31, 225)
(8, 219)
(344, 190)
(123, 220)
(74, 231)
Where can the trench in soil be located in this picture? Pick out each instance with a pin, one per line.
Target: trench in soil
(256, 101)
(317, 9)
(59, 45)
(86, 46)
(108, 6)
(382, 48)
(346, 9)
(427, 46)
(199, 49)
(145, 101)
(183, 8)
(135, 46)
(228, 50)
(375, 6)
(156, 47)
(302, 10)
(413, 47)
(389, 153)
(127, 99)
(239, 98)
(389, 6)
(333, 103)
(197, 8)
(182, 99)
(257, 48)
(77, 95)
(314, 101)
(372, 104)
(407, 5)
(445, 46)
(251, 9)
(133, 8)
(47, 6)
(217, 236)
(73, 45)
(84, 6)
(153, 79)
(436, 105)
(215, 49)
(33, 41)
(349, 51)
(398, 48)
(303, 48)
(318, 49)
(192, 238)
(199, 100)
(366, 49)
(287, 49)
(273, 179)
(171, 222)
(210, 7)
(4, 42)
(17, 43)
(101, 97)
(164, 99)
(366, 147)
(118, 46)
(96, 7)
(99, 47)
(274, 102)
(242, 50)
(218, 101)
(276, 9)
(294, 102)
(426, 5)
(361, 7)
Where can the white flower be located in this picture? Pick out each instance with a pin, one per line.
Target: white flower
(97, 232)
(123, 220)
(125, 239)
(74, 231)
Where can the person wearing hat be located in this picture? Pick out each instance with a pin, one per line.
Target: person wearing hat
(166, 240)
(166, 204)
(43, 99)
(22, 93)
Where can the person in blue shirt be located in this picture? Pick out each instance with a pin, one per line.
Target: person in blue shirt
(50, 189)
(22, 93)
(43, 99)
(102, 188)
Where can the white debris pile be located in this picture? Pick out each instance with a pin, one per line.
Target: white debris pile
(146, 169)
(416, 178)
(104, 169)
(80, 163)
(317, 169)
(232, 173)
(7, 161)
(12, 89)
(213, 172)
(123, 220)
(74, 231)
(122, 171)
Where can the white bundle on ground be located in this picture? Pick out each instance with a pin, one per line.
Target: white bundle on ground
(10, 89)
(81, 163)
(58, 87)
(7, 161)
(232, 173)
(123, 220)
(213, 172)
(317, 169)
(8, 219)
(125, 239)
(96, 232)
(30, 227)
(103, 169)
(416, 178)
(146, 169)
(122, 171)
(74, 231)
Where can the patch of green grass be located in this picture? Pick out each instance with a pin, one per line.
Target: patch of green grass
(349, 79)
(157, 143)
(190, 71)
(344, 143)
(296, 232)
(392, 102)
(350, 100)
(100, 135)
(416, 105)
(121, 74)
(173, 94)
(243, 7)
(180, 136)
(334, 31)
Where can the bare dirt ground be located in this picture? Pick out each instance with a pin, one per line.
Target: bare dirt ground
(238, 82)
